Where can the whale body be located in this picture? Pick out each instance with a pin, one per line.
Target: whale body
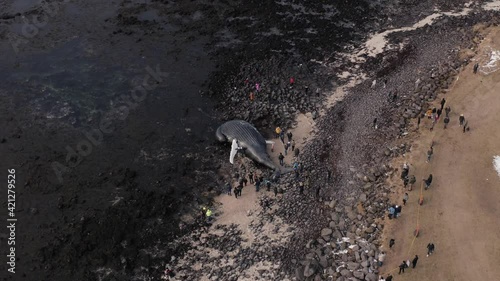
(248, 138)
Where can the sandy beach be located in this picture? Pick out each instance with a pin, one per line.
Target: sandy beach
(460, 210)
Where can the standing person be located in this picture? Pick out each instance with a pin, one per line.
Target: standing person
(465, 125)
(428, 182)
(328, 175)
(169, 273)
(411, 182)
(228, 188)
(245, 181)
(447, 111)
(278, 132)
(257, 185)
(443, 101)
(439, 111)
(282, 137)
(402, 267)
(250, 177)
(391, 243)
(275, 190)
(414, 261)
(202, 215)
(286, 147)
(405, 171)
(208, 215)
(418, 122)
(405, 198)
(296, 152)
(461, 119)
(429, 154)
(476, 66)
(301, 187)
(428, 113)
(293, 145)
(289, 135)
(430, 249)
(236, 192)
(392, 212)
(281, 157)
(398, 211)
(405, 181)
(268, 185)
(389, 278)
(446, 121)
(381, 258)
(375, 123)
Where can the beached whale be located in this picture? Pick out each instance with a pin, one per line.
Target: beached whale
(244, 136)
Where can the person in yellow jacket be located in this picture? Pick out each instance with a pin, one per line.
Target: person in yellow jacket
(278, 131)
(208, 213)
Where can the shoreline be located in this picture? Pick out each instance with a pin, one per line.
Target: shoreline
(361, 209)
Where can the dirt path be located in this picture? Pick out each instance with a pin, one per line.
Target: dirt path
(461, 210)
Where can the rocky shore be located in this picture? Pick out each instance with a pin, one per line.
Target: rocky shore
(333, 231)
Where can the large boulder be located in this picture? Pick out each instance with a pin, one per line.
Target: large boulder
(346, 273)
(359, 274)
(310, 269)
(326, 231)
